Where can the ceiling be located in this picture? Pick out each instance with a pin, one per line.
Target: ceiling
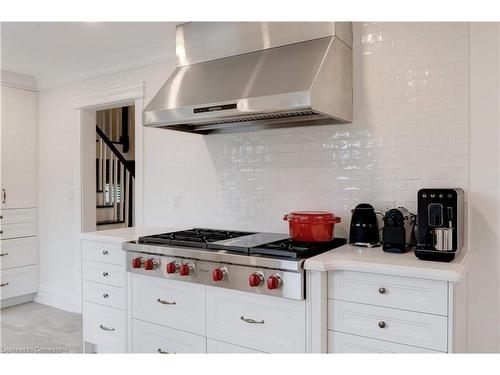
(57, 53)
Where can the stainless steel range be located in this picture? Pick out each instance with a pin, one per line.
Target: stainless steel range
(263, 263)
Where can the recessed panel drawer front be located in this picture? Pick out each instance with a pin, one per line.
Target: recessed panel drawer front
(153, 338)
(399, 326)
(106, 295)
(17, 230)
(18, 281)
(344, 343)
(18, 252)
(171, 303)
(216, 346)
(103, 252)
(105, 327)
(264, 323)
(109, 274)
(16, 216)
(407, 293)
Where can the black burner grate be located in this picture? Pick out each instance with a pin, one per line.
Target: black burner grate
(292, 249)
(198, 237)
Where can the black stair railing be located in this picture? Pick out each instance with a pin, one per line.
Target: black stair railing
(114, 180)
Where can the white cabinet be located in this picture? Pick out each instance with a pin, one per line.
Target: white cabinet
(171, 303)
(18, 252)
(369, 312)
(15, 282)
(263, 323)
(221, 347)
(399, 326)
(18, 195)
(406, 293)
(104, 296)
(344, 343)
(105, 328)
(18, 177)
(153, 338)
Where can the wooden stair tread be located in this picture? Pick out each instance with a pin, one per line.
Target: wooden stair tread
(108, 222)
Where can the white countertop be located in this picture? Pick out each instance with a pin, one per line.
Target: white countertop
(124, 234)
(375, 260)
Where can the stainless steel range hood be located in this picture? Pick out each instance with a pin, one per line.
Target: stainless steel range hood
(243, 76)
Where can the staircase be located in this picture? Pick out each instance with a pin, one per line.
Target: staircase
(114, 178)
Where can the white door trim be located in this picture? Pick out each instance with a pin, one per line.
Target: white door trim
(109, 96)
(95, 101)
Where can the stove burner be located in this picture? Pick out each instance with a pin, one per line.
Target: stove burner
(198, 237)
(292, 249)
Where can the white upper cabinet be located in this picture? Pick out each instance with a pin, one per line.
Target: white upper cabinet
(18, 177)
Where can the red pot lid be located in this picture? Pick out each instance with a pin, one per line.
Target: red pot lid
(311, 216)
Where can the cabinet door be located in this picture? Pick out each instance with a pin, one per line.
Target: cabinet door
(152, 338)
(18, 177)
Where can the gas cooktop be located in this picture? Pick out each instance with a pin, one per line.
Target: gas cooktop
(267, 244)
(263, 263)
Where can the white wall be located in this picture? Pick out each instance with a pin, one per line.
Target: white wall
(59, 190)
(483, 288)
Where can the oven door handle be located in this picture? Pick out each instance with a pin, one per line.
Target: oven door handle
(251, 321)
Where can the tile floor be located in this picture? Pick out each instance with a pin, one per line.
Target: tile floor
(35, 328)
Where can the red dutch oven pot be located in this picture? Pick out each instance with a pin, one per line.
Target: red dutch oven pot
(311, 226)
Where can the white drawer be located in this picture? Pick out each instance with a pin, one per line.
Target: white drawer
(109, 274)
(18, 281)
(216, 346)
(16, 216)
(106, 295)
(175, 304)
(344, 343)
(105, 252)
(407, 293)
(17, 230)
(105, 327)
(152, 338)
(265, 323)
(18, 252)
(403, 327)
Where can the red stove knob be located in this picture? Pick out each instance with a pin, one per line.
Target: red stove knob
(186, 269)
(172, 267)
(274, 282)
(137, 262)
(255, 279)
(151, 264)
(219, 274)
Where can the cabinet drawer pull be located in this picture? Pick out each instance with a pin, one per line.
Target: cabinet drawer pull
(105, 252)
(252, 321)
(105, 274)
(382, 290)
(4, 196)
(382, 324)
(163, 352)
(4, 284)
(106, 328)
(105, 295)
(1, 231)
(4, 254)
(163, 302)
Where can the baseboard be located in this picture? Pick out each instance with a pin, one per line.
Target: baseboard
(16, 300)
(55, 298)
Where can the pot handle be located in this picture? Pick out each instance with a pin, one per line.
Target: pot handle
(337, 220)
(285, 217)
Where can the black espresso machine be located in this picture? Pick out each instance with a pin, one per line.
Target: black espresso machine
(440, 224)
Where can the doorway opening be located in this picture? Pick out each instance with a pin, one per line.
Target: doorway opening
(115, 167)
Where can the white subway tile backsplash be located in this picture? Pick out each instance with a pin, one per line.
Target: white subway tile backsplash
(410, 130)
